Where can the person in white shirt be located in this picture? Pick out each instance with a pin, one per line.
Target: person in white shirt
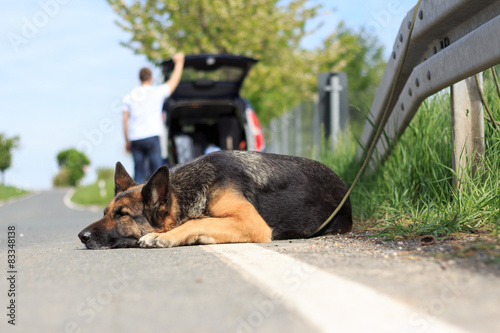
(143, 120)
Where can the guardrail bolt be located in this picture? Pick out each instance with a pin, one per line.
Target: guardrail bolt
(445, 42)
(421, 15)
(393, 54)
(401, 38)
(410, 92)
(402, 107)
(428, 75)
(417, 82)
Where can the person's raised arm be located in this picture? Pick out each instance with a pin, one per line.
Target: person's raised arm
(175, 78)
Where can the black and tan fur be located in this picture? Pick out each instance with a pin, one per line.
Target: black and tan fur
(222, 197)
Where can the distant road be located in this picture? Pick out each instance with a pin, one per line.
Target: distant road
(325, 284)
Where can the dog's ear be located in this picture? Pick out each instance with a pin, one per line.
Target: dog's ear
(155, 191)
(123, 181)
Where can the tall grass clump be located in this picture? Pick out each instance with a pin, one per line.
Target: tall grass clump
(412, 193)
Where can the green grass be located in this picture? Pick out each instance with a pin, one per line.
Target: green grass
(412, 193)
(7, 192)
(90, 194)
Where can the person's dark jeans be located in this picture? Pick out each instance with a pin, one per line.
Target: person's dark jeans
(147, 158)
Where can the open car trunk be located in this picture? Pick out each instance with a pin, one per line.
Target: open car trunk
(200, 127)
(210, 76)
(206, 113)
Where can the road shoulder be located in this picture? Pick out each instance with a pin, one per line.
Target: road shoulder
(72, 205)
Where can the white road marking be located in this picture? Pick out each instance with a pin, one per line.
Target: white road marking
(329, 302)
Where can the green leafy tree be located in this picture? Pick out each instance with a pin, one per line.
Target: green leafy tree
(6, 145)
(269, 30)
(72, 164)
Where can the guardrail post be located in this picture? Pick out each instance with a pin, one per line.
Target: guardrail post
(274, 146)
(333, 104)
(318, 131)
(334, 90)
(284, 134)
(467, 125)
(298, 130)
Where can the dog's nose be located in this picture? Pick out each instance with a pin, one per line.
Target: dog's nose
(84, 236)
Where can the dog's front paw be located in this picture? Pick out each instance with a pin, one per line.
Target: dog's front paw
(148, 240)
(157, 240)
(165, 240)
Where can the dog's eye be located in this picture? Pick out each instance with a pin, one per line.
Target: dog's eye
(121, 213)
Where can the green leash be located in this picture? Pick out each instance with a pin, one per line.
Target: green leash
(380, 128)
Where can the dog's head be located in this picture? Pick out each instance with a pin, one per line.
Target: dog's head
(135, 211)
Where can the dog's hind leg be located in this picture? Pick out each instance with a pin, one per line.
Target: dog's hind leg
(233, 220)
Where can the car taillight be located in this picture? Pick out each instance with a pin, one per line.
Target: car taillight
(258, 136)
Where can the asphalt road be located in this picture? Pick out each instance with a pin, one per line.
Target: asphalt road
(330, 284)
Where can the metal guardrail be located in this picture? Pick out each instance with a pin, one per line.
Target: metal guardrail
(451, 41)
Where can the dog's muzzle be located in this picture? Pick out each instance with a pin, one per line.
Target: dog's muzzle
(95, 239)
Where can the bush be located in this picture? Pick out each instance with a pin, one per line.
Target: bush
(72, 163)
(62, 179)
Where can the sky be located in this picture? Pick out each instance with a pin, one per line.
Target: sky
(63, 75)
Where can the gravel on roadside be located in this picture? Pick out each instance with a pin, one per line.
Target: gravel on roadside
(480, 253)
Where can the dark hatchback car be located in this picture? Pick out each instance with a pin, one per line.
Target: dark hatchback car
(206, 112)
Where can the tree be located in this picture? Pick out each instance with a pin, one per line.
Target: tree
(72, 164)
(269, 30)
(6, 145)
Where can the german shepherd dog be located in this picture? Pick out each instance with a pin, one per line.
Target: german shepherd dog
(222, 197)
